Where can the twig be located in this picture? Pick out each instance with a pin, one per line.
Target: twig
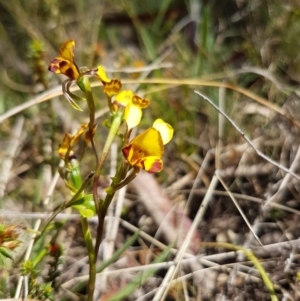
(151, 67)
(56, 91)
(74, 216)
(284, 184)
(162, 291)
(221, 128)
(237, 206)
(258, 152)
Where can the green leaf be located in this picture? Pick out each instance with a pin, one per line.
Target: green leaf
(163, 7)
(148, 42)
(85, 206)
(84, 212)
(118, 253)
(2, 260)
(6, 252)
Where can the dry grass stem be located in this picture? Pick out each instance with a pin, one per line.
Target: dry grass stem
(11, 152)
(237, 206)
(279, 195)
(258, 152)
(162, 292)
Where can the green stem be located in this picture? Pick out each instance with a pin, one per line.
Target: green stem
(66, 204)
(81, 284)
(39, 257)
(101, 211)
(92, 262)
(85, 86)
(116, 123)
(120, 174)
(116, 185)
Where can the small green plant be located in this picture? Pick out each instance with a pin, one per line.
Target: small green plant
(37, 290)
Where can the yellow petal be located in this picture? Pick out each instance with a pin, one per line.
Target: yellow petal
(66, 51)
(76, 137)
(70, 141)
(101, 74)
(165, 130)
(149, 143)
(64, 146)
(152, 164)
(64, 63)
(113, 87)
(133, 104)
(123, 98)
(132, 116)
(140, 102)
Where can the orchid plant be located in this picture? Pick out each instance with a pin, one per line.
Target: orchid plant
(143, 151)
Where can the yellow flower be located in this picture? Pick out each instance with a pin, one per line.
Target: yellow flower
(133, 105)
(111, 87)
(146, 150)
(64, 63)
(70, 141)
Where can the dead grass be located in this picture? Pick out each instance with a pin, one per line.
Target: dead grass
(215, 187)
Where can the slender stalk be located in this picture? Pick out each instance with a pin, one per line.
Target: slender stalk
(66, 204)
(101, 211)
(86, 86)
(108, 199)
(92, 262)
(120, 174)
(85, 227)
(116, 185)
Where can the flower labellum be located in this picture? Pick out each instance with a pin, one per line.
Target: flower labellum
(64, 63)
(133, 107)
(146, 150)
(70, 141)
